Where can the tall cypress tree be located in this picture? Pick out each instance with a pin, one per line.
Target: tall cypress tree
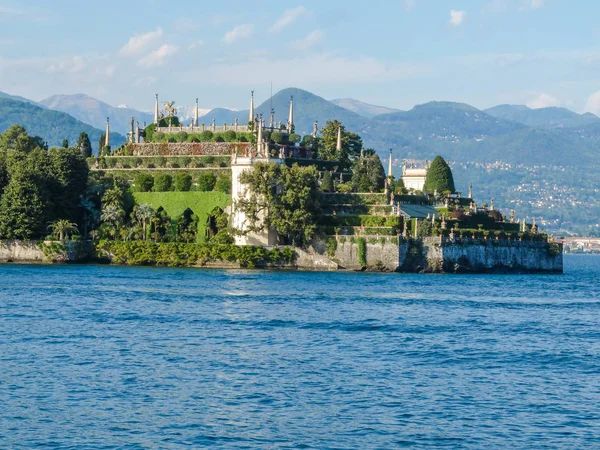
(439, 177)
(84, 145)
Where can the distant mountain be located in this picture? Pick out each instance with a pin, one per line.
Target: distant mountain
(463, 133)
(18, 98)
(52, 126)
(90, 110)
(308, 108)
(361, 108)
(548, 118)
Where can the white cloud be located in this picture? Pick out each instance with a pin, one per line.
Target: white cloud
(76, 64)
(332, 70)
(11, 11)
(533, 4)
(239, 32)
(287, 18)
(141, 42)
(593, 103)
(543, 101)
(158, 57)
(195, 44)
(310, 40)
(457, 17)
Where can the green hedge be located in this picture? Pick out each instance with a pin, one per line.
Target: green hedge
(361, 220)
(144, 253)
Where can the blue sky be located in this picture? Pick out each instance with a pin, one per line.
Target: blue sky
(396, 53)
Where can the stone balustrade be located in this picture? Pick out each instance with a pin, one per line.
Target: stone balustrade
(201, 128)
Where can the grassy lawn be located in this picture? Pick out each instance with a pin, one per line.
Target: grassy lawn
(175, 203)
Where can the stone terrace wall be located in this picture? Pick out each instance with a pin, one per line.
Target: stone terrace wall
(383, 256)
(190, 148)
(32, 251)
(478, 255)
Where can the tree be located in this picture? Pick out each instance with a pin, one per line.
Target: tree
(84, 145)
(187, 225)
(439, 177)
(143, 214)
(143, 182)
(162, 182)
(223, 184)
(368, 174)
(183, 182)
(63, 228)
(207, 181)
(101, 143)
(327, 182)
(283, 198)
(351, 144)
(21, 208)
(65, 143)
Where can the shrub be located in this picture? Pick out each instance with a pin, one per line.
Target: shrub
(183, 182)
(294, 138)
(362, 251)
(181, 136)
(219, 139)
(143, 182)
(162, 182)
(277, 137)
(160, 136)
(207, 181)
(230, 136)
(243, 139)
(206, 136)
(223, 184)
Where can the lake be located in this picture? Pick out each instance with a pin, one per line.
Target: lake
(113, 357)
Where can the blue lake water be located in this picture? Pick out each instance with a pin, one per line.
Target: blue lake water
(110, 357)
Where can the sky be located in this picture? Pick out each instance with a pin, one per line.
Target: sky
(395, 53)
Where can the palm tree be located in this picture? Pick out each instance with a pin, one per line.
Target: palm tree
(62, 229)
(113, 215)
(143, 213)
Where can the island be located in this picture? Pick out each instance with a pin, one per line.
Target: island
(251, 194)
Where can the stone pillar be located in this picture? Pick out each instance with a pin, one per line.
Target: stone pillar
(470, 191)
(338, 146)
(137, 132)
(251, 115)
(196, 115)
(291, 116)
(107, 137)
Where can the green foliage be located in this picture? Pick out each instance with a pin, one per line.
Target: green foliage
(223, 184)
(368, 174)
(62, 229)
(351, 144)
(361, 243)
(277, 137)
(206, 136)
(143, 182)
(327, 182)
(294, 138)
(183, 182)
(37, 186)
(283, 198)
(439, 177)
(206, 181)
(331, 247)
(175, 203)
(166, 121)
(162, 182)
(190, 254)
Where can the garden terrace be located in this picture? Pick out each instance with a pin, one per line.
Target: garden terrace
(236, 128)
(189, 149)
(159, 162)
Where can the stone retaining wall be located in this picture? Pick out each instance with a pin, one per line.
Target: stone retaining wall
(33, 251)
(190, 148)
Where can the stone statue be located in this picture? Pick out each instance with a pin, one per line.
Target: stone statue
(315, 129)
(170, 108)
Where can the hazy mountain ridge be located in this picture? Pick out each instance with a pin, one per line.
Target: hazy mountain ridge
(361, 108)
(90, 110)
(52, 126)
